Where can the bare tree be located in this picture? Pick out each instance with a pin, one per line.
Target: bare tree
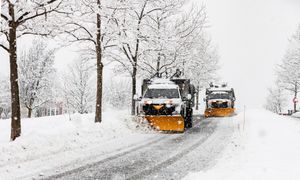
(91, 25)
(289, 70)
(156, 37)
(20, 18)
(276, 99)
(132, 35)
(78, 86)
(36, 75)
(175, 35)
(117, 92)
(161, 39)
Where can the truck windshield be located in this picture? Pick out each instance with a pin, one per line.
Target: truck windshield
(219, 96)
(162, 93)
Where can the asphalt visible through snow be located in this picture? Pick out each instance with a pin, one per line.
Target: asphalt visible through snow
(170, 156)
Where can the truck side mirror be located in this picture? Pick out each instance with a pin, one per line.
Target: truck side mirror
(189, 97)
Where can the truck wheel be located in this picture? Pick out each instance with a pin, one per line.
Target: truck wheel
(191, 113)
(188, 122)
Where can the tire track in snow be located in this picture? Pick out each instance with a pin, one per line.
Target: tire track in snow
(128, 150)
(172, 159)
(131, 162)
(125, 152)
(202, 157)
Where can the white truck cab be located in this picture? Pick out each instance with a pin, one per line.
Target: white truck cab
(162, 97)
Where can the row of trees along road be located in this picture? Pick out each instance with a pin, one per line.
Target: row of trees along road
(143, 37)
(288, 77)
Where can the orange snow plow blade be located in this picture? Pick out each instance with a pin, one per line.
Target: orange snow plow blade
(166, 123)
(219, 112)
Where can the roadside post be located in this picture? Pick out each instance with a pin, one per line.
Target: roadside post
(295, 101)
(244, 118)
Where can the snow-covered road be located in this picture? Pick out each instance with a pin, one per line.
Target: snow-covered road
(167, 156)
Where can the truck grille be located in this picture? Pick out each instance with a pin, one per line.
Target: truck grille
(219, 105)
(150, 109)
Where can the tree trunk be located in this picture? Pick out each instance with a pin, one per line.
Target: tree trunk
(133, 90)
(29, 112)
(295, 103)
(158, 65)
(15, 100)
(197, 98)
(98, 114)
(135, 60)
(295, 96)
(1, 111)
(134, 73)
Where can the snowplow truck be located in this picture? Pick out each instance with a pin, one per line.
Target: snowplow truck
(167, 104)
(219, 101)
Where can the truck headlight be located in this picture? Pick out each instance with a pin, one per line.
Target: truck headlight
(168, 102)
(168, 105)
(148, 102)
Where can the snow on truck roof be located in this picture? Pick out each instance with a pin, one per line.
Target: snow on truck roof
(161, 81)
(162, 84)
(220, 89)
(217, 88)
(219, 92)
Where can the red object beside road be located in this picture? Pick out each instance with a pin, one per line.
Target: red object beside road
(295, 100)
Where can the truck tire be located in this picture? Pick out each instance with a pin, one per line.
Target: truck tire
(188, 122)
(189, 119)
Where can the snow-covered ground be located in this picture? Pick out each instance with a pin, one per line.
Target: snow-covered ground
(267, 148)
(264, 146)
(52, 144)
(296, 115)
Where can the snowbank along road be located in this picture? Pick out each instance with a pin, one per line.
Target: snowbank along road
(266, 148)
(166, 156)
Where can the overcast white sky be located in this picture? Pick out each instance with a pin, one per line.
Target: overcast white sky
(252, 36)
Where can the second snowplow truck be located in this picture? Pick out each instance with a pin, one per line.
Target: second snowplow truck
(167, 103)
(219, 101)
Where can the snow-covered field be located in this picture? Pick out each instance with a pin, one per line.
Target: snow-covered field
(53, 144)
(296, 115)
(267, 148)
